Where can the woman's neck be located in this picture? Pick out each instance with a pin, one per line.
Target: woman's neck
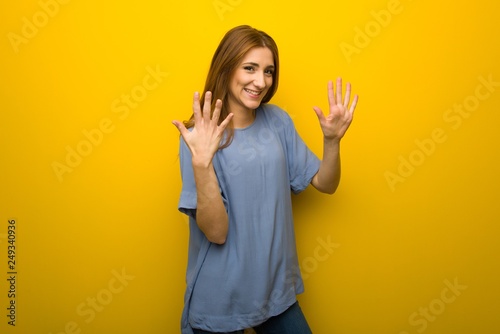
(243, 118)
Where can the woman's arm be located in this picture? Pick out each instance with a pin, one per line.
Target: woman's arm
(203, 142)
(334, 127)
(327, 178)
(211, 215)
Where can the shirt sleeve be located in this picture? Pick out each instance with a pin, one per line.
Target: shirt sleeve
(303, 164)
(187, 201)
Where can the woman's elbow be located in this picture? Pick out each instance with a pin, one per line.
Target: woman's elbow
(219, 240)
(328, 190)
(325, 188)
(217, 237)
(216, 234)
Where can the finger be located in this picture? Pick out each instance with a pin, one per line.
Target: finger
(331, 95)
(216, 114)
(196, 107)
(180, 126)
(226, 121)
(339, 90)
(347, 96)
(319, 113)
(354, 103)
(207, 105)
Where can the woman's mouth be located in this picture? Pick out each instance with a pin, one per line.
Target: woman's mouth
(253, 93)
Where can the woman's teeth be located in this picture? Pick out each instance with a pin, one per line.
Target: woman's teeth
(253, 92)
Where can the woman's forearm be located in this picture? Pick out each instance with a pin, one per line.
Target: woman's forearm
(211, 215)
(327, 178)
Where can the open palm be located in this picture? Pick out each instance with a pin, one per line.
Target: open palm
(335, 124)
(204, 139)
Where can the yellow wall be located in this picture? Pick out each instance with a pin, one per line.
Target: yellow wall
(89, 168)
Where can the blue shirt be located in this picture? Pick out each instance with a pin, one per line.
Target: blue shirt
(255, 274)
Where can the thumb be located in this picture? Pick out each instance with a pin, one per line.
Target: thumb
(319, 113)
(180, 126)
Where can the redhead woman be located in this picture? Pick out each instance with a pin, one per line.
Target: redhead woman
(241, 160)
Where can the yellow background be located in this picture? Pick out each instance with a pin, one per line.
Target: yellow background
(398, 244)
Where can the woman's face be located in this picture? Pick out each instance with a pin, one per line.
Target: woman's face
(251, 80)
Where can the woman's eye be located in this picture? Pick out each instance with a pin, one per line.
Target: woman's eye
(248, 68)
(270, 72)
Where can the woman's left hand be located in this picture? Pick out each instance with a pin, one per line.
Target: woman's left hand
(335, 124)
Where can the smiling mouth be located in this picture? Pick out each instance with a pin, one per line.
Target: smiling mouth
(252, 92)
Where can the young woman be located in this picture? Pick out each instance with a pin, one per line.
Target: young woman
(241, 159)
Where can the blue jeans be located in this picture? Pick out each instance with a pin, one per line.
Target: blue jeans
(292, 321)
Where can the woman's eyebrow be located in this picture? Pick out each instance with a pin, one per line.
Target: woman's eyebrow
(256, 65)
(251, 63)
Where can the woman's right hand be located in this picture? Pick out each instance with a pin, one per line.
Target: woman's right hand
(204, 139)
